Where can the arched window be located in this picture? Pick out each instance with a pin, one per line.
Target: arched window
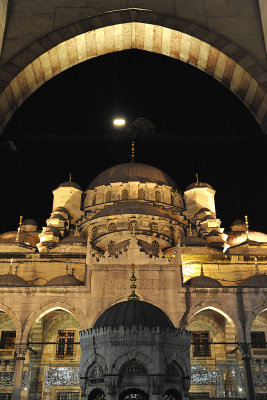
(94, 200)
(154, 227)
(97, 394)
(172, 200)
(94, 232)
(125, 194)
(172, 394)
(108, 196)
(134, 368)
(156, 245)
(172, 232)
(133, 394)
(141, 194)
(172, 370)
(111, 245)
(112, 227)
(158, 196)
(133, 225)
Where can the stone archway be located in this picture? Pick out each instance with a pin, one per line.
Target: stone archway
(133, 29)
(209, 305)
(252, 316)
(45, 309)
(15, 319)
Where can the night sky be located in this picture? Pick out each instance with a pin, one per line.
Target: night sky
(66, 126)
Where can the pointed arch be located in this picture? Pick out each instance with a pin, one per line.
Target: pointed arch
(15, 318)
(45, 309)
(134, 29)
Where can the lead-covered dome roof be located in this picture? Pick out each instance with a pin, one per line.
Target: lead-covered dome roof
(12, 280)
(64, 280)
(131, 207)
(132, 171)
(133, 313)
(257, 280)
(203, 281)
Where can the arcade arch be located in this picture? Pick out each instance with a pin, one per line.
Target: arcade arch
(134, 29)
(215, 361)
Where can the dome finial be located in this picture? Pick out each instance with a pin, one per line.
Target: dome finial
(133, 295)
(256, 265)
(19, 228)
(246, 224)
(133, 150)
(10, 266)
(202, 270)
(197, 177)
(70, 177)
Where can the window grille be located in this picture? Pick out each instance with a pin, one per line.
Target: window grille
(94, 232)
(112, 227)
(141, 194)
(133, 225)
(154, 227)
(125, 194)
(108, 196)
(8, 339)
(201, 345)
(134, 368)
(172, 370)
(68, 396)
(111, 245)
(94, 200)
(156, 245)
(258, 340)
(5, 396)
(96, 371)
(158, 196)
(65, 343)
(199, 395)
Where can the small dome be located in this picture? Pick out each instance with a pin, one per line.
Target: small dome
(70, 184)
(63, 210)
(257, 280)
(132, 171)
(23, 238)
(58, 216)
(131, 207)
(198, 185)
(203, 281)
(237, 238)
(64, 280)
(238, 222)
(30, 221)
(12, 280)
(133, 313)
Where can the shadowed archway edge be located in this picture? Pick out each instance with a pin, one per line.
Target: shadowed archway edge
(133, 29)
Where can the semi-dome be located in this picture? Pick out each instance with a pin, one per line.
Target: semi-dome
(257, 280)
(12, 280)
(131, 207)
(203, 281)
(64, 280)
(133, 313)
(132, 171)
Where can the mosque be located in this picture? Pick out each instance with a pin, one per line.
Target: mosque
(70, 330)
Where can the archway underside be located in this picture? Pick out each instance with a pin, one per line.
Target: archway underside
(108, 33)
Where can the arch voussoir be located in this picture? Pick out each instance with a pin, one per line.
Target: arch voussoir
(127, 29)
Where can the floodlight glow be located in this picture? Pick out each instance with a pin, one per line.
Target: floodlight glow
(119, 122)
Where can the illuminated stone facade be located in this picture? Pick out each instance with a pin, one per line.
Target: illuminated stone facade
(60, 279)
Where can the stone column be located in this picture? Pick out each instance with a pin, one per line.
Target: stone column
(246, 357)
(186, 387)
(20, 351)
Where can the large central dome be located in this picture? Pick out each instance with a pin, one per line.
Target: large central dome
(132, 171)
